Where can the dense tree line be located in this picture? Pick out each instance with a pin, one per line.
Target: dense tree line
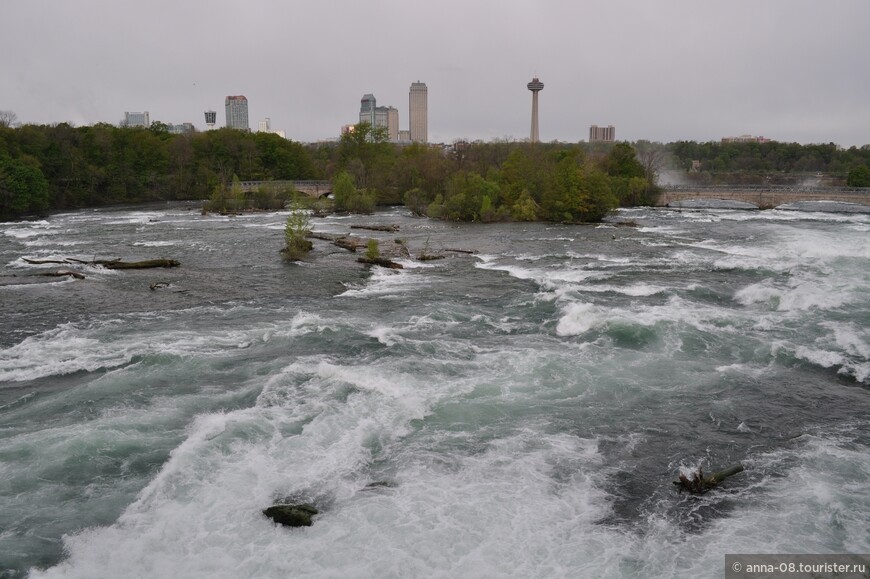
(770, 157)
(60, 166)
(53, 167)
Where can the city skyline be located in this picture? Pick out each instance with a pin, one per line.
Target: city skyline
(785, 69)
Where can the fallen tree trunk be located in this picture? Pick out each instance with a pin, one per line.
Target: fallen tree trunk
(118, 264)
(699, 484)
(389, 228)
(147, 264)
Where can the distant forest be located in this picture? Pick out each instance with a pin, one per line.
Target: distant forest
(53, 167)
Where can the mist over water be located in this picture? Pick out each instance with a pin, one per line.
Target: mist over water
(516, 412)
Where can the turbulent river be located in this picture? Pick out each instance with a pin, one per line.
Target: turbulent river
(519, 411)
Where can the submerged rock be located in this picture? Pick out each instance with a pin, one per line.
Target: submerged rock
(291, 515)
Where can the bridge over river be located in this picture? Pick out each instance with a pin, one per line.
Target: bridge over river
(763, 197)
(310, 188)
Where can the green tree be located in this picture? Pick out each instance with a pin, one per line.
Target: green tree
(622, 162)
(416, 200)
(859, 177)
(581, 192)
(372, 250)
(467, 194)
(524, 208)
(23, 188)
(237, 194)
(218, 200)
(343, 190)
(421, 167)
(159, 128)
(349, 198)
(296, 230)
(367, 153)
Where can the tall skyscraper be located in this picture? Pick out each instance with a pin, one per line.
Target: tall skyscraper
(210, 119)
(367, 107)
(597, 133)
(535, 86)
(137, 119)
(418, 109)
(237, 113)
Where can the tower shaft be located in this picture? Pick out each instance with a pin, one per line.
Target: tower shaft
(535, 86)
(535, 136)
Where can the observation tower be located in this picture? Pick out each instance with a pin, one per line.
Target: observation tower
(535, 86)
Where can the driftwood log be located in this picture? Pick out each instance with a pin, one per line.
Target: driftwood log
(110, 263)
(700, 484)
(147, 264)
(389, 228)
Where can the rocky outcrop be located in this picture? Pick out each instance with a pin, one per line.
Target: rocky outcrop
(700, 484)
(292, 515)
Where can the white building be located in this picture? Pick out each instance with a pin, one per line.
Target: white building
(137, 119)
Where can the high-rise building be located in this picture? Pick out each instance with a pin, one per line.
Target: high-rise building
(418, 112)
(210, 119)
(535, 86)
(367, 107)
(237, 113)
(265, 126)
(388, 117)
(137, 119)
(597, 133)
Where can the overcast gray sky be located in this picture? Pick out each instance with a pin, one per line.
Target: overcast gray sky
(663, 70)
